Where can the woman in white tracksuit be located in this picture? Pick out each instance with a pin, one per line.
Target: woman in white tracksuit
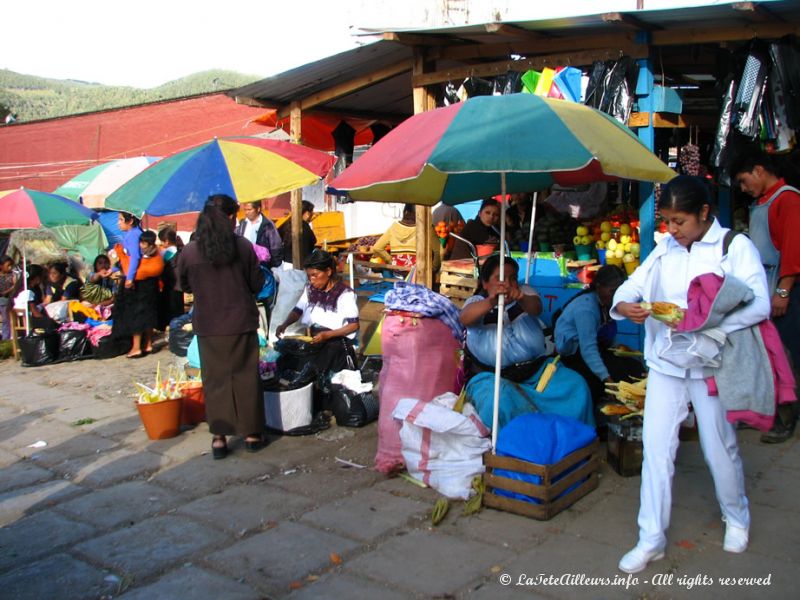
(693, 247)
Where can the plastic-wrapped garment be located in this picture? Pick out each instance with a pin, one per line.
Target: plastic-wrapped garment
(449, 94)
(510, 83)
(475, 86)
(441, 447)
(719, 155)
(783, 134)
(290, 288)
(595, 85)
(617, 89)
(749, 96)
(420, 359)
(786, 63)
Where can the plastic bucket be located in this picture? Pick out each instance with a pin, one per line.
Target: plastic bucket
(485, 249)
(161, 420)
(289, 409)
(584, 252)
(193, 409)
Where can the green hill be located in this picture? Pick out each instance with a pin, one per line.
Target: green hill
(30, 97)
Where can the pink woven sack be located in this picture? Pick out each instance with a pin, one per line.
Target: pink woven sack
(421, 360)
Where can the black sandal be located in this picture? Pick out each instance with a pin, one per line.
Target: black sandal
(219, 452)
(253, 445)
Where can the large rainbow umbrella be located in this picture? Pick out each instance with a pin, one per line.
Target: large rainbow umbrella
(93, 186)
(30, 209)
(492, 145)
(245, 168)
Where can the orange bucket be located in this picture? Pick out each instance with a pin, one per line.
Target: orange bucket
(194, 404)
(161, 420)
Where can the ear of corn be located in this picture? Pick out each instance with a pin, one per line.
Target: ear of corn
(475, 504)
(547, 375)
(439, 511)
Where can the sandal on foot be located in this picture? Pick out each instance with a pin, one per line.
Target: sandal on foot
(219, 452)
(253, 445)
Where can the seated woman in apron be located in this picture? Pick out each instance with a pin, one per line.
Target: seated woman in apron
(584, 332)
(523, 353)
(329, 308)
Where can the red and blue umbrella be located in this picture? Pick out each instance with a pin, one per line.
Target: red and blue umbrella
(245, 168)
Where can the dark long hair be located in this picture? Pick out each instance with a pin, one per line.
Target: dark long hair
(215, 237)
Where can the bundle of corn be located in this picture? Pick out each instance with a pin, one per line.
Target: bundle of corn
(666, 312)
(168, 389)
(630, 396)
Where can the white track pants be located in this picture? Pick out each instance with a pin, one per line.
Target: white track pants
(666, 407)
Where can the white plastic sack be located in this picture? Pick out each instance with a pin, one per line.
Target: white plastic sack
(290, 288)
(58, 311)
(441, 447)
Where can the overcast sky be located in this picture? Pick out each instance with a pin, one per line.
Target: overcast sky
(145, 43)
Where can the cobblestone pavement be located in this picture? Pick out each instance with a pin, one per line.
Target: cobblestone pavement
(102, 512)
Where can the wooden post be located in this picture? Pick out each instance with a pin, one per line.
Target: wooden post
(295, 131)
(423, 101)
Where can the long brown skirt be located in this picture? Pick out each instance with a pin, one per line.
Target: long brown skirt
(231, 384)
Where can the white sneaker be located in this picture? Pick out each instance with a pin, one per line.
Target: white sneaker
(736, 539)
(637, 559)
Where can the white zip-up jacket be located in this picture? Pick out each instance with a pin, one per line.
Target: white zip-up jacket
(665, 275)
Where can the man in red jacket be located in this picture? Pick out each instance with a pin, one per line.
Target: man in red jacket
(774, 226)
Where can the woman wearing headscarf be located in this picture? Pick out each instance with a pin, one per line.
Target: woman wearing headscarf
(221, 269)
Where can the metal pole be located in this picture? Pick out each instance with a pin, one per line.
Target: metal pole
(500, 315)
(530, 239)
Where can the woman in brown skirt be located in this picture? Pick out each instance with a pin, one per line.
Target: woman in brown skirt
(222, 271)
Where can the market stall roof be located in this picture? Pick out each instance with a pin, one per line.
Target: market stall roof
(376, 81)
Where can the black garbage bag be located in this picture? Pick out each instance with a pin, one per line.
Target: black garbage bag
(112, 346)
(179, 340)
(295, 353)
(352, 409)
(73, 345)
(290, 379)
(38, 349)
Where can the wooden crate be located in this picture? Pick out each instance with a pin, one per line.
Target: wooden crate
(457, 280)
(549, 491)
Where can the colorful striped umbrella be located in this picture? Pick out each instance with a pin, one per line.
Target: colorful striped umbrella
(492, 145)
(245, 168)
(458, 153)
(30, 209)
(94, 185)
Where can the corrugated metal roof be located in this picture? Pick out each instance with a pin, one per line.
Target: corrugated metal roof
(394, 96)
(382, 97)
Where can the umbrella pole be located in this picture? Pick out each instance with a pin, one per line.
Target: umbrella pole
(530, 239)
(500, 315)
(25, 286)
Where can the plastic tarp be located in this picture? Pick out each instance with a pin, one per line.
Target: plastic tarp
(542, 439)
(86, 240)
